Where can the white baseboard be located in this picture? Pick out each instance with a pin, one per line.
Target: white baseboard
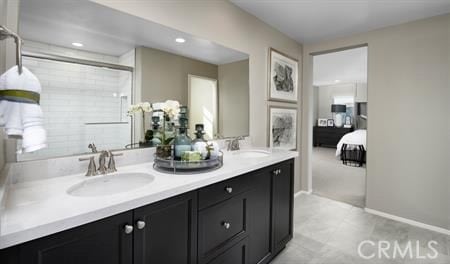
(409, 221)
(302, 192)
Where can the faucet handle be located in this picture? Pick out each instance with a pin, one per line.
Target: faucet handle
(228, 142)
(92, 169)
(102, 162)
(112, 162)
(92, 147)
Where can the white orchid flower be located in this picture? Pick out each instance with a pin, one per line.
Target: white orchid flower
(171, 108)
(158, 106)
(144, 107)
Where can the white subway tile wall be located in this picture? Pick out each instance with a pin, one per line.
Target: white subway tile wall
(76, 98)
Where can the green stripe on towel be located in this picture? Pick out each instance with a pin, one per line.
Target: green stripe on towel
(20, 96)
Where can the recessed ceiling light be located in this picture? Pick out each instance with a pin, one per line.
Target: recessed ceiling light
(180, 40)
(77, 44)
(337, 81)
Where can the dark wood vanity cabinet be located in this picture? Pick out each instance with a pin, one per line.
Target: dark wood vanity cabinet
(103, 241)
(237, 254)
(247, 219)
(163, 232)
(170, 231)
(282, 204)
(257, 206)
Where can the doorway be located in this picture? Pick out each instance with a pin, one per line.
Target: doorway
(202, 102)
(340, 125)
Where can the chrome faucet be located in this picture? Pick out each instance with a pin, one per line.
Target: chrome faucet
(102, 169)
(92, 169)
(112, 162)
(102, 162)
(233, 144)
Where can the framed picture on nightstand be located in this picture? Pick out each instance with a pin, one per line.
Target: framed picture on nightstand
(330, 122)
(322, 122)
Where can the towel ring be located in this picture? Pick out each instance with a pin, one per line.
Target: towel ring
(6, 33)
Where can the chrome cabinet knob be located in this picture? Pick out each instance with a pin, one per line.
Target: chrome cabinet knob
(229, 189)
(140, 224)
(226, 225)
(128, 229)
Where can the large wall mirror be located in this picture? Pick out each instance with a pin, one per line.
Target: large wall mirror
(93, 62)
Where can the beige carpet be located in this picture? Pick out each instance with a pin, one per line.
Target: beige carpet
(332, 179)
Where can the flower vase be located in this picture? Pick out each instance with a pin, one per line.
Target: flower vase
(164, 151)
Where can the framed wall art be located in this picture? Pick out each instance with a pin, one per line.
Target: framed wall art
(282, 127)
(283, 77)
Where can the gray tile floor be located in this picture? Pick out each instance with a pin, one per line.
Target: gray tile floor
(334, 180)
(329, 232)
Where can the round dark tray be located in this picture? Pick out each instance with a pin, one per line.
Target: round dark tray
(177, 166)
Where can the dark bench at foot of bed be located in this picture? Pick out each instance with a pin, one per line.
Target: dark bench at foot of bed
(353, 155)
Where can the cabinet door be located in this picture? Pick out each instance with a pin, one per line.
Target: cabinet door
(170, 231)
(237, 254)
(259, 221)
(282, 203)
(103, 241)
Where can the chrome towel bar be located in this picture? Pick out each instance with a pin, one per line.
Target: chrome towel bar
(6, 33)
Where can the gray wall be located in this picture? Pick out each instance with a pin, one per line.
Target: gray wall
(326, 96)
(164, 75)
(233, 99)
(230, 26)
(408, 166)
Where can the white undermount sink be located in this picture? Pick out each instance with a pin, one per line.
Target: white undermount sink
(110, 184)
(251, 153)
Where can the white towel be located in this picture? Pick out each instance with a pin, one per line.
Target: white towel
(22, 120)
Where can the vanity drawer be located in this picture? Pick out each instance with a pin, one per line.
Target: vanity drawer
(221, 225)
(237, 254)
(223, 190)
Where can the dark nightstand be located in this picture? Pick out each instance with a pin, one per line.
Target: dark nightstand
(328, 136)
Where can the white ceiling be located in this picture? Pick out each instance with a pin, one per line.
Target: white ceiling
(309, 21)
(346, 66)
(107, 31)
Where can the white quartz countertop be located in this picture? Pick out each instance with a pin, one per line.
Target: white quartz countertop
(34, 209)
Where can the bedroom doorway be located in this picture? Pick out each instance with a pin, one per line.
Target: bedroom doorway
(340, 125)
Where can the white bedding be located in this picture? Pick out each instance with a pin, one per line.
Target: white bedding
(357, 137)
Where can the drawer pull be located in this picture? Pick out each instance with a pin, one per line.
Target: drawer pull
(228, 189)
(140, 224)
(128, 229)
(226, 225)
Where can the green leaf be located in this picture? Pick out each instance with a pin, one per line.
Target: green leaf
(168, 141)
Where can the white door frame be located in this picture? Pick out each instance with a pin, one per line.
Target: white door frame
(308, 122)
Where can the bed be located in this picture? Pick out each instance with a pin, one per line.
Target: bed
(352, 148)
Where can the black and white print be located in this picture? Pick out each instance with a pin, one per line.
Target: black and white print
(283, 128)
(283, 77)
